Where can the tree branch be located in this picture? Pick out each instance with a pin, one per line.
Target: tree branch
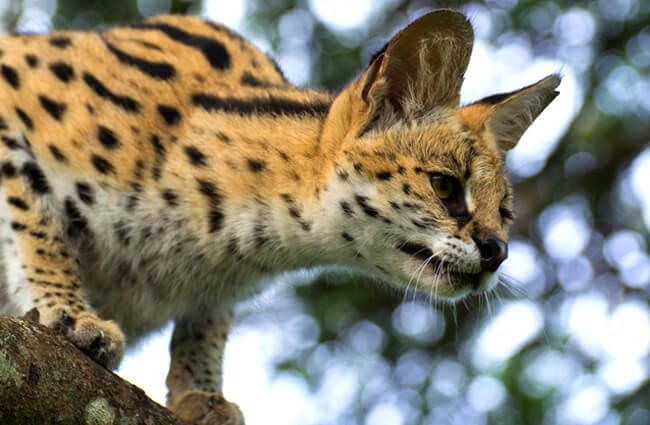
(44, 379)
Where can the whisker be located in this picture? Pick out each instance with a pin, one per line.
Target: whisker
(415, 277)
(511, 284)
(488, 304)
(454, 313)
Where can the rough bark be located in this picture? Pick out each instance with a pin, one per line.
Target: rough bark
(44, 379)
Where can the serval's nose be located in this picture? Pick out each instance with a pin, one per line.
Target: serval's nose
(493, 252)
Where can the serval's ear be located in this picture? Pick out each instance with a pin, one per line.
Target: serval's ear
(507, 116)
(421, 68)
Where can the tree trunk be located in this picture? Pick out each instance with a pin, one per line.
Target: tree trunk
(44, 379)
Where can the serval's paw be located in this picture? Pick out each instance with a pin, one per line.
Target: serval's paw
(102, 340)
(202, 408)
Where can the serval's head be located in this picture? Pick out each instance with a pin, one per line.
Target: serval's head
(419, 191)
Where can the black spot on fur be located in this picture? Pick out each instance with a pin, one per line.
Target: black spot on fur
(35, 177)
(18, 226)
(54, 108)
(31, 61)
(10, 76)
(62, 71)
(365, 206)
(196, 157)
(224, 138)
(158, 147)
(26, 119)
(10, 142)
(160, 152)
(256, 165)
(215, 218)
(8, 169)
(107, 137)
(214, 196)
(157, 70)
(125, 102)
(384, 175)
(293, 212)
(137, 172)
(305, 226)
(60, 42)
(170, 114)
(57, 154)
(85, 193)
(170, 197)
(102, 165)
(269, 105)
(248, 79)
(213, 51)
(347, 208)
(77, 223)
(347, 236)
(18, 203)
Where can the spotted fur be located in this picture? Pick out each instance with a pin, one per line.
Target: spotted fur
(167, 169)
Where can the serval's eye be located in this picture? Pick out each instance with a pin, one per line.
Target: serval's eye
(445, 187)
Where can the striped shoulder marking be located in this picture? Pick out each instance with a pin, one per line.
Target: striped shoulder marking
(213, 51)
(215, 198)
(125, 102)
(158, 70)
(242, 44)
(271, 105)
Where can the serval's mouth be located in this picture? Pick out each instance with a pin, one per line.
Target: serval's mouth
(439, 267)
(420, 252)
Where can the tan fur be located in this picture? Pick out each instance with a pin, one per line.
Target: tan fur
(166, 170)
